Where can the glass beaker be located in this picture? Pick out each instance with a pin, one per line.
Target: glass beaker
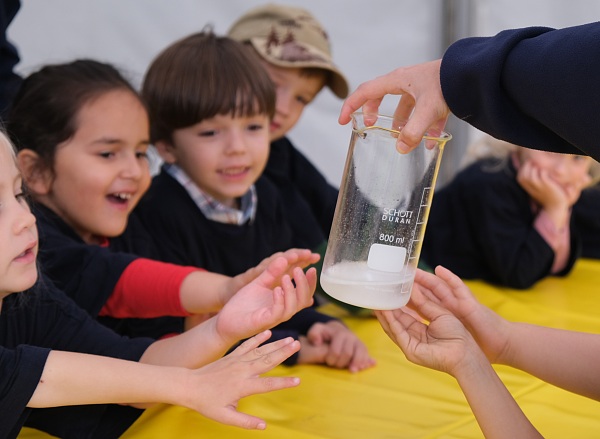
(380, 216)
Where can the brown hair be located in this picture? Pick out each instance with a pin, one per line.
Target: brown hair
(201, 76)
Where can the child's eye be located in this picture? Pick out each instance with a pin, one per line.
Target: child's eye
(255, 127)
(141, 154)
(106, 154)
(21, 197)
(303, 100)
(207, 133)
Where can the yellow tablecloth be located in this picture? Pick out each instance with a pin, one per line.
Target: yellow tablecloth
(397, 399)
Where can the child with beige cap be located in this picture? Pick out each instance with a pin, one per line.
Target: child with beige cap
(295, 50)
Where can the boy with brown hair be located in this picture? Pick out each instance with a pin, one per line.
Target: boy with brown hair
(210, 104)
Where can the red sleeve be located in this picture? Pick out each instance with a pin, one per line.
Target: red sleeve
(148, 289)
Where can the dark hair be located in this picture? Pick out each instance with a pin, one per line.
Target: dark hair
(201, 76)
(44, 111)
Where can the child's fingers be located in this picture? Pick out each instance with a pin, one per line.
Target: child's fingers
(429, 309)
(230, 416)
(361, 359)
(267, 348)
(456, 285)
(303, 257)
(252, 343)
(272, 354)
(292, 296)
(340, 352)
(311, 276)
(419, 285)
(306, 284)
(416, 295)
(383, 321)
(390, 318)
(436, 285)
(274, 271)
(394, 327)
(279, 309)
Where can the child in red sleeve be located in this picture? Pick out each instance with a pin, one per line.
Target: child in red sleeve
(82, 135)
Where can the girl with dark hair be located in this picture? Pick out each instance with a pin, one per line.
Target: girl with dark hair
(82, 135)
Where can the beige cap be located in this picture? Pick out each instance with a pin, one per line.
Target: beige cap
(287, 36)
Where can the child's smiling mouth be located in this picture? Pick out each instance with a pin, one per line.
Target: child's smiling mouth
(120, 197)
(234, 172)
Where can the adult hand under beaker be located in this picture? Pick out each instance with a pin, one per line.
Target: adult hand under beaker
(380, 217)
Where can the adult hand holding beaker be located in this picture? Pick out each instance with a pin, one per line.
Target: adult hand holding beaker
(422, 104)
(380, 217)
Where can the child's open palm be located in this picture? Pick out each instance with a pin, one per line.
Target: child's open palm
(268, 300)
(442, 344)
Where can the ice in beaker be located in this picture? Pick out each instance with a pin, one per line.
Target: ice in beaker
(380, 216)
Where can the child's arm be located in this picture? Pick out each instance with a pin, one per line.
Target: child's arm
(214, 390)
(149, 288)
(544, 352)
(259, 306)
(211, 291)
(553, 219)
(445, 345)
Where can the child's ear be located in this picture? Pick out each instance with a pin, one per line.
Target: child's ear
(165, 150)
(36, 177)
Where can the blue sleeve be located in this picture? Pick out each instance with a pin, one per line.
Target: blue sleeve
(536, 87)
(47, 318)
(86, 273)
(10, 81)
(20, 372)
(69, 328)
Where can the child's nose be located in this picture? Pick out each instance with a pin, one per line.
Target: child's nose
(237, 142)
(25, 220)
(283, 102)
(133, 167)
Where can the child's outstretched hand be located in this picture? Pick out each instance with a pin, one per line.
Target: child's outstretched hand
(215, 389)
(268, 300)
(296, 257)
(489, 329)
(444, 344)
(335, 345)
